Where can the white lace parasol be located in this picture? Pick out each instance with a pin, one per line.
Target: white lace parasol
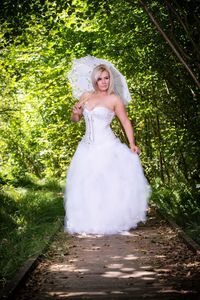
(80, 77)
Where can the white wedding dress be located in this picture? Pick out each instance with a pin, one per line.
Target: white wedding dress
(106, 190)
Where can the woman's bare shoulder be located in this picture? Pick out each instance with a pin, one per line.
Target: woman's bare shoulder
(85, 96)
(116, 99)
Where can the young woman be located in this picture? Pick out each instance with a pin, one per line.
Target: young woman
(106, 191)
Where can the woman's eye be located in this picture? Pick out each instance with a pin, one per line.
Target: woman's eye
(105, 78)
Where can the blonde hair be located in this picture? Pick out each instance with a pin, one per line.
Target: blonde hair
(97, 72)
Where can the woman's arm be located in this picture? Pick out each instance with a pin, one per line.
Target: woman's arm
(123, 117)
(77, 110)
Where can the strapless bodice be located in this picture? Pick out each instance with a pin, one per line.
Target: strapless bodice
(106, 191)
(98, 122)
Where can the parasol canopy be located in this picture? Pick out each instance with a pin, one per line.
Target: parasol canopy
(80, 77)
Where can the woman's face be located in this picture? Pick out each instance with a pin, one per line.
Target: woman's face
(103, 81)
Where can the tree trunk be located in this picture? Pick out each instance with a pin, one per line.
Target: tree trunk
(146, 9)
(185, 24)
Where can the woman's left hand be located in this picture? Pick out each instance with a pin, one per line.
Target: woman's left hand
(135, 149)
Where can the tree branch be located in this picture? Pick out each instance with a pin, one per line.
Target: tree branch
(146, 9)
(184, 25)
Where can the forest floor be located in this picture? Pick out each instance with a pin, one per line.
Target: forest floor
(150, 262)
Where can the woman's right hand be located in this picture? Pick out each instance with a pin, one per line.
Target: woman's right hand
(77, 109)
(77, 112)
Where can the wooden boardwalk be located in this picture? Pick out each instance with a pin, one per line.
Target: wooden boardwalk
(150, 262)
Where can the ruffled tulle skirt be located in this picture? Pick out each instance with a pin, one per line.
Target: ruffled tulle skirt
(106, 190)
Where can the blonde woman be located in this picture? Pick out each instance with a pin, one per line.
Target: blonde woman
(106, 191)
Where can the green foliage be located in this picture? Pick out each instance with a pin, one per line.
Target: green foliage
(28, 216)
(181, 202)
(39, 39)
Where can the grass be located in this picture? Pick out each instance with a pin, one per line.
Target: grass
(29, 214)
(181, 202)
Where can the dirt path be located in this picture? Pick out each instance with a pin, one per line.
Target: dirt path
(150, 262)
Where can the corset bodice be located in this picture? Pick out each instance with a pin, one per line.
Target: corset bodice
(98, 123)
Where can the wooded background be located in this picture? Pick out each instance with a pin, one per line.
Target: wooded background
(155, 44)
